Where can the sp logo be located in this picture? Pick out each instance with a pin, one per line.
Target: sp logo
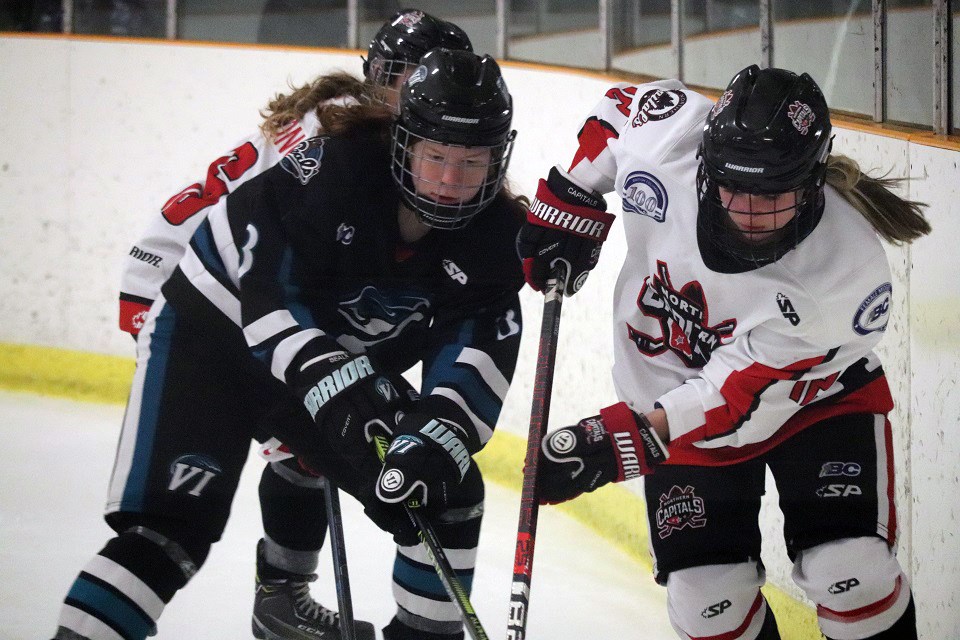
(715, 610)
(456, 274)
(843, 586)
(838, 491)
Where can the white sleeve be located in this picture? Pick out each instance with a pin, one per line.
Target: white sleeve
(643, 122)
(153, 257)
(764, 385)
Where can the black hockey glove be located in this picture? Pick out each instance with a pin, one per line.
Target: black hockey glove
(427, 459)
(565, 223)
(350, 395)
(614, 446)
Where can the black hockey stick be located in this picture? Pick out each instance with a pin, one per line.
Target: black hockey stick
(339, 551)
(451, 583)
(539, 415)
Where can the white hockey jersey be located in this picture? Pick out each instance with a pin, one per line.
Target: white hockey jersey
(739, 361)
(154, 256)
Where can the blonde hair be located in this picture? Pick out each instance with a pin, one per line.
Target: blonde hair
(284, 109)
(896, 220)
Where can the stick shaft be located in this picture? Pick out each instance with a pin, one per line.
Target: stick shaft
(539, 416)
(339, 551)
(451, 583)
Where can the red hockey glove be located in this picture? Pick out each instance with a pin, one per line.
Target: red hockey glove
(567, 224)
(614, 446)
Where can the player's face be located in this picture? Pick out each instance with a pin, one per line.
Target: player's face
(448, 175)
(394, 74)
(758, 217)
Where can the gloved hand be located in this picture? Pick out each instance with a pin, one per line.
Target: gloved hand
(614, 446)
(427, 457)
(349, 395)
(565, 223)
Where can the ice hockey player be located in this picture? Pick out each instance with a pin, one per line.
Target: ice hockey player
(753, 292)
(304, 295)
(287, 554)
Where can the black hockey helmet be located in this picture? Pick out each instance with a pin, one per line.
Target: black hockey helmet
(456, 99)
(404, 39)
(769, 133)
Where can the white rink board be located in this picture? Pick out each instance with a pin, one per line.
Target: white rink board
(97, 135)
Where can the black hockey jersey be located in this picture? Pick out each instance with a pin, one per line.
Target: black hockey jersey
(307, 258)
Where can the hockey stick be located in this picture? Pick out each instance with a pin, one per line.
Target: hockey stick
(451, 583)
(539, 415)
(339, 551)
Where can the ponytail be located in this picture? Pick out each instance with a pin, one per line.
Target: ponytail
(896, 220)
(284, 109)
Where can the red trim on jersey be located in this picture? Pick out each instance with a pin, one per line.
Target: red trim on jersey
(738, 632)
(593, 140)
(869, 611)
(742, 390)
(132, 316)
(874, 397)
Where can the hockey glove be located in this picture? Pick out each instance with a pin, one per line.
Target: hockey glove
(614, 446)
(567, 224)
(427, 458)
(348, 396)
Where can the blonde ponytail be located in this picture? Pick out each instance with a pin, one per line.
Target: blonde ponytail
(896, 220)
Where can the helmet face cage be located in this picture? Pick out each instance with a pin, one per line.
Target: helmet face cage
(766, 140)
(767, 237)
(415, 185)
(387, 76)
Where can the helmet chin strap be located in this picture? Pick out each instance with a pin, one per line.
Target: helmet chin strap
(411, 228)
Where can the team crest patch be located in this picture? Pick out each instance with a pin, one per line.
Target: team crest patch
(721, 104)
(658, 104)
(192, 473)
(304, 161)
(874, 312)
(684, 320)
(680, 508)
(643, 193)
(409, 19)
(801, 115)
(419, 75)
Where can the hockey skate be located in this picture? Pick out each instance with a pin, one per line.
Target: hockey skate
(283, 608)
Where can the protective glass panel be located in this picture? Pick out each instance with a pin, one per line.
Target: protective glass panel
(127, 18)
(832, 40)
(42, 16)
(312, 23)
(564, 32)
(640, 35)
(721, 37)
(910, 62)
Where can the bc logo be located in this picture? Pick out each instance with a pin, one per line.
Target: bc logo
(874, 311)
(643, 193)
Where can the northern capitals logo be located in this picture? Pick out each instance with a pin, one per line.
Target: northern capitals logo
(684, 320)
